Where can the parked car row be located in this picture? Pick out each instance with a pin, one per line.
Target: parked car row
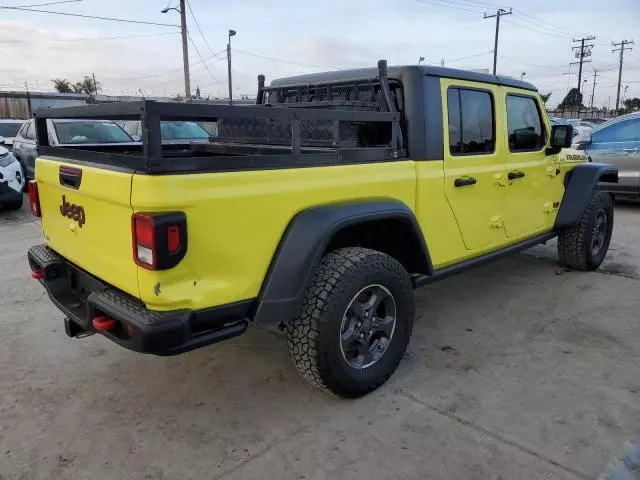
(616, 141)
(97, 132)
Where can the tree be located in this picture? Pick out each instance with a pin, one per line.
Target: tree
(572, 101)
(86, 86)
(62, 85)
(545, 96)
(632, 104)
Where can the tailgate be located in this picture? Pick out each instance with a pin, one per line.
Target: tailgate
(86, 218)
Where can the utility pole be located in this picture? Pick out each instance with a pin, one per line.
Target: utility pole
(623, 46)
(593, 89)
(95, 86)
(583, 51)
(185, 47)
(185, 50)
(500, 12)
(231, 34)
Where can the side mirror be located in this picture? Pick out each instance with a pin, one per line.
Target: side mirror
(561, 136)
(136, 138)
(583, 142)
(2, 140)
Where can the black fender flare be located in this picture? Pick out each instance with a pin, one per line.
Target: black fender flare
(303, 244)
(580, 183)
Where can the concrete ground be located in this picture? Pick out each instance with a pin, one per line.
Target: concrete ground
(517, 370)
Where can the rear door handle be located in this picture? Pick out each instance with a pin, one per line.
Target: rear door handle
(464, 181)
(514, 175)
(630, 150)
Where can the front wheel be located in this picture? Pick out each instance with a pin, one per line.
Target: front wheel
(355, 322)
(584, 246)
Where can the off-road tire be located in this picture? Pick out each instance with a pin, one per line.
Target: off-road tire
(574, 244)
(314, 336)
(15, 205)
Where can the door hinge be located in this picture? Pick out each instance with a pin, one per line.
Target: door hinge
(553, 172)
(501, 180)
(497, 221)
(550, 207)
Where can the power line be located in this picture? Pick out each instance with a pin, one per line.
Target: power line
(162, 73)
(198, 27)
(531, 64)
(470, 56)
(561, 28)
(200, 57)
(537, 30)
(448, 6)
(45, 4)
(111, 19)
(284, 61)
(94, 39)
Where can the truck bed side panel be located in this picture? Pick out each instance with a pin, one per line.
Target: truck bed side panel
(235, 221)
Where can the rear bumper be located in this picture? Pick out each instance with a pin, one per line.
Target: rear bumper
(8, 194)
(83, 297)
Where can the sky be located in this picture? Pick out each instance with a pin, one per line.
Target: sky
(285, 37)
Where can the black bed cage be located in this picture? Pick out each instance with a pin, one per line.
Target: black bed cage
(249, 136)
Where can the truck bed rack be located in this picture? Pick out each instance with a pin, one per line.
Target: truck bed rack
(265, 136)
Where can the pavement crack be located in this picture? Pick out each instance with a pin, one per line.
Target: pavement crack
(493, 435)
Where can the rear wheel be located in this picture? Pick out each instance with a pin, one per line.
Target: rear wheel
(355, 322)
(584, 246)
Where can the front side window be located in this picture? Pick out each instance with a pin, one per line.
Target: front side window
(524, 124)
(471, 122)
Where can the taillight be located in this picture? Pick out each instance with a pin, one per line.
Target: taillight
(159, 239)
(34, 199)
(143, 241)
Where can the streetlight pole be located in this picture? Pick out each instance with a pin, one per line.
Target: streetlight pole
(420, 60)
(232, 33)
(522, 75)
(185, 47)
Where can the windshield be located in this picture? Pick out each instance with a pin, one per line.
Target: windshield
(90, 132)
(9, 129)
(182, 131)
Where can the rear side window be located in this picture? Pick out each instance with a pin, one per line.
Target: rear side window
(524, 124)
(30, 134)
(627, 131)
(471, 122)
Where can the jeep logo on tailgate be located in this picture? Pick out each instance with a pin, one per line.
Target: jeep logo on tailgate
(74, 212)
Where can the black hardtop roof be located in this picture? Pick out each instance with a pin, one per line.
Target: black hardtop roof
(398, 72)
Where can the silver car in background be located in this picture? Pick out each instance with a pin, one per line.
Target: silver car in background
(8, 130)
(618, 142)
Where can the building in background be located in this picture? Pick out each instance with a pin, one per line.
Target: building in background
(21, 105)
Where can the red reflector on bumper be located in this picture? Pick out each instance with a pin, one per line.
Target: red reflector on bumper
(104, 323)
(37, 274)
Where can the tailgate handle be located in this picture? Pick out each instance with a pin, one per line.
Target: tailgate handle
(70, 177)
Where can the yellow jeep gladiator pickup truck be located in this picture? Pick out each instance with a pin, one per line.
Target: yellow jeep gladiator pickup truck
(320, 208)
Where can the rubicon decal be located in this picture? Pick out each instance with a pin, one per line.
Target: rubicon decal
(74, 212)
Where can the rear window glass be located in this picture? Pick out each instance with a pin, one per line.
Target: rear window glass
(90, 132)
(9, 129)
(471, 125)
(182, 131)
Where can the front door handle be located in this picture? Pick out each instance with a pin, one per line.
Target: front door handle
(514, 175)
(464, 181)
(630, 150)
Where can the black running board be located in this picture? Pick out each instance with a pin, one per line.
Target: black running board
(422, 280)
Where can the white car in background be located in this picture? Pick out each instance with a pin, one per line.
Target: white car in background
(11, 180)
